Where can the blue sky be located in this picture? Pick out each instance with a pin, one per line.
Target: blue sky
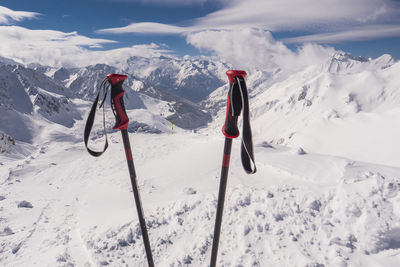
(86, 16)
(362, 27)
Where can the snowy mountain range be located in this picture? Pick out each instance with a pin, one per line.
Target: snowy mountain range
(29, 93)
(297, 109)
(326, 193)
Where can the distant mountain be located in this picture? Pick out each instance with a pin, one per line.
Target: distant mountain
(180, 111)
(266, 84)
(84, 83)
(41, 92)
(285, 106)
(347, 64)
(344, 105)
(190, 78)
(26, 94)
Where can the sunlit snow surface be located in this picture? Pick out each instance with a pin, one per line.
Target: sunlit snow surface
(297, 210)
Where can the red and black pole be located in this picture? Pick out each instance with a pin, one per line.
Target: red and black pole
(237, 100)
(122, 121)
(221, 200)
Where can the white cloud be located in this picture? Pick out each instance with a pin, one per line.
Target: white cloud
(57, 48)
(148, 27)
(171, 2)
(166, 2)
(242, 48)
(257, 49)
(354, 34)
(281, 15)
(277, 15)
(115, 57)
(7, 16)
(46, 38)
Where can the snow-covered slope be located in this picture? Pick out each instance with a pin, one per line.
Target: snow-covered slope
(326, 108)
(334, 111)
(28, 96)
(62, 207)
(326, 192)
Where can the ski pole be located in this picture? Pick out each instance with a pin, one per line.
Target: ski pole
(237, 100)
(122, 121)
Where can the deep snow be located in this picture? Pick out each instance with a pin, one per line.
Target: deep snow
(298, 210)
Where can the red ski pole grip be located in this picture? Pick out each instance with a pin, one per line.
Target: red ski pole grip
(233, 104)
(233, 73)
(116, 78)
(117, 100)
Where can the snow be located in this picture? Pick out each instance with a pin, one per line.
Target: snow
(297, 210)
(326, 191)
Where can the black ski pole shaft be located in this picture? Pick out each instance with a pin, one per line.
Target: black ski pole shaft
(122, 122)
(132, 173)
(231, 131)
(221, 199)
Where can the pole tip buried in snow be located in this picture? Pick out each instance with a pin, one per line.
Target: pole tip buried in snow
(115, 78)
(233, 73)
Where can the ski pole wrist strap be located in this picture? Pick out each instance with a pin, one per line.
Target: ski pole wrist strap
(114, 81)
(237, 101)
(90, 120)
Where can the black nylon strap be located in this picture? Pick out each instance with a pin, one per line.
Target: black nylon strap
(247, 153)
(90, 121)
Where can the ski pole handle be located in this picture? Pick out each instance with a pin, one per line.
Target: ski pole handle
(234, 104)
(117, 100)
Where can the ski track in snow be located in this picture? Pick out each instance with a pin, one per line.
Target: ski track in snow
(298, 210)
